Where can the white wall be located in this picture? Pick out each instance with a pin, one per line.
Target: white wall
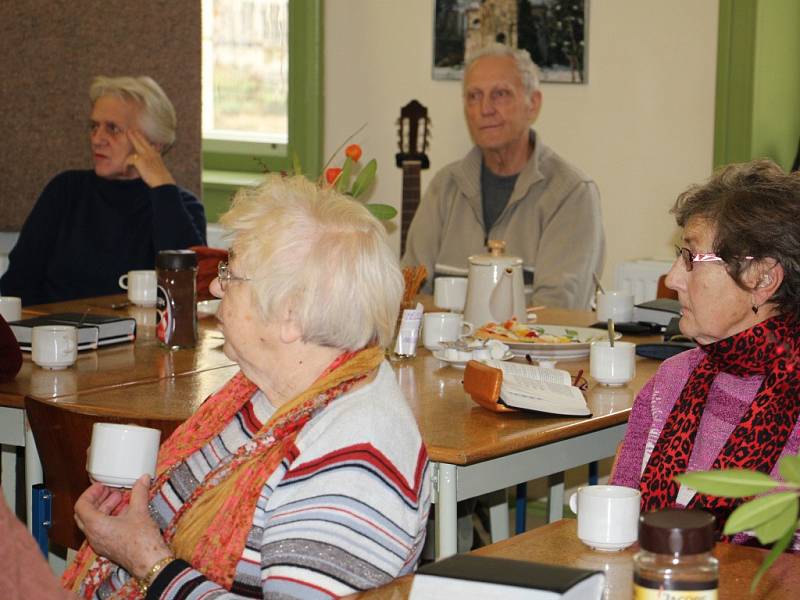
(642, 127)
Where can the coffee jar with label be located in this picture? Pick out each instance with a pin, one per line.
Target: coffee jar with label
(675, 561)
(177, 298)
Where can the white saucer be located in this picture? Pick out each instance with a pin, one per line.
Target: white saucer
(460, 364)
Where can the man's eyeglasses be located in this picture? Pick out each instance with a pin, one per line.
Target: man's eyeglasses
(225, 276)
(689, 258)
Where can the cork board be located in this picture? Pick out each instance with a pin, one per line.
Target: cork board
(49, 52)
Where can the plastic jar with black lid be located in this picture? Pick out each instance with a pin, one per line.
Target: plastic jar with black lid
(675, 561)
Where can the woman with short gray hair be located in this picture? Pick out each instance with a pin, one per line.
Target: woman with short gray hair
(305, 476)
(88, 227)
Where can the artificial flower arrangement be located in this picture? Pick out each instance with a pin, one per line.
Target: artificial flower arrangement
(772, 517)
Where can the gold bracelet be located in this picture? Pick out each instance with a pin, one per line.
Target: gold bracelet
(145, 582)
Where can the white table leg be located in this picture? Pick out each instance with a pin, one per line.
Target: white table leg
(498, 514)
(9, 479)
(33, 469)
(555, 497)
(445, 484)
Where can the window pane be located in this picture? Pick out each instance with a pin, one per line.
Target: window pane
(245, 70)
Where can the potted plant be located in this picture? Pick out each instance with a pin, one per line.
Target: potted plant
(772, 515)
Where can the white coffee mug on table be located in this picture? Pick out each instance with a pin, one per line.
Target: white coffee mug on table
(11, 308)
(438, 327)
(54, 346)
(141, 286)
(608, 516)
(120, 454)
(614, 304)
(450, 293)
(612, 365)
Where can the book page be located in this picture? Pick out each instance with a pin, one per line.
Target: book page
(519, 373)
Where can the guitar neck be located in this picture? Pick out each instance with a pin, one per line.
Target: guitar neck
(411, 197)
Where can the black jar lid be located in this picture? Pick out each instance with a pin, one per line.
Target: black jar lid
(176, 259)
(676, 531)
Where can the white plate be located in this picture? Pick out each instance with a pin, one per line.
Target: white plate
(579, 348)
(207, 308)
(460, 364)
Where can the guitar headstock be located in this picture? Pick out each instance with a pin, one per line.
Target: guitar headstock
(413, 134)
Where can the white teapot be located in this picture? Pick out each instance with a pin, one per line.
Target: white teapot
(495, 290)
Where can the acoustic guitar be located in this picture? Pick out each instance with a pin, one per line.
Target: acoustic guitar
(412, 130)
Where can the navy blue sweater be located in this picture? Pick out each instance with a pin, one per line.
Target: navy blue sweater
(86, 231)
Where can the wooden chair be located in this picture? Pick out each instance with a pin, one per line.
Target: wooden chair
(62, 437)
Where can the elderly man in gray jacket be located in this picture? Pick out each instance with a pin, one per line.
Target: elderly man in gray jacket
(511, 187)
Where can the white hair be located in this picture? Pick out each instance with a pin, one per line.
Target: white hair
(321, 255)
(527, 69)
(157, 117)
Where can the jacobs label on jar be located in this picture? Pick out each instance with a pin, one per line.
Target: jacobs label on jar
(652, 591)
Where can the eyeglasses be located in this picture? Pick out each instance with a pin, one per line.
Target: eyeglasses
(689, 258)
(225, 276)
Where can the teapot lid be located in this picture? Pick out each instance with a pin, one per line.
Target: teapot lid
(496, 256)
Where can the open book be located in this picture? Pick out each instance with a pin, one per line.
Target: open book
(524, 386)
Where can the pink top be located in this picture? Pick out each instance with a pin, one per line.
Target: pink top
(728, 399)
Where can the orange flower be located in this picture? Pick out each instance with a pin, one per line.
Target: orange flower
(331, 174)
(353, 152)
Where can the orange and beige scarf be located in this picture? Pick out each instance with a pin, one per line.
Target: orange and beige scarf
(210, 529)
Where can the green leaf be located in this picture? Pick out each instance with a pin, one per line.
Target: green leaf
(384, 212)
(296, 166)
(364, 179)
(754, 513)
(790, 468)
(777, 549)
(774, 528)
(732, 483)
(343, 181)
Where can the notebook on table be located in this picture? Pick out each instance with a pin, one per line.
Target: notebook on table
(93, 330)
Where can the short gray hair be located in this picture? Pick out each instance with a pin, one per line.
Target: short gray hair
(321, 255)
(157, 118)
(527, 69)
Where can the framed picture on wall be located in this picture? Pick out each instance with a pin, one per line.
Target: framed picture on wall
(553, 31)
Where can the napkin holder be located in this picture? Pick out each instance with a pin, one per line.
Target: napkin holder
(483, 384)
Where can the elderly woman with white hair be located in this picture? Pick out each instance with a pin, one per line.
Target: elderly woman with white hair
(89, 227)
(305, 476)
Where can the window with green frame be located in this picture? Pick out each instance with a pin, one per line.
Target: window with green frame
(232, 163)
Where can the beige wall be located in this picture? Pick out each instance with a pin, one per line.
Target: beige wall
(642, 126)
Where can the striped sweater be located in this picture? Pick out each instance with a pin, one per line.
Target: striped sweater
(345, 512)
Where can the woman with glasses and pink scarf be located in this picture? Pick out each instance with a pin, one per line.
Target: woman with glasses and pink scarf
(734, 401)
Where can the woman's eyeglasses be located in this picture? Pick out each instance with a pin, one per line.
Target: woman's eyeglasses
(689, 258)
(225, 275)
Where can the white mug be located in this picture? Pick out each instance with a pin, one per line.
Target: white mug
(608, 516)
(141, 286)
(120, 454)
(11, 308)
(450, 293)
(54, 346)
(438, 327)
(615, 305)
(612, 365)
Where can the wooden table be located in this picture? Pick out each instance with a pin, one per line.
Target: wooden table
(558, 544)
(475, 451)
(103, 369)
